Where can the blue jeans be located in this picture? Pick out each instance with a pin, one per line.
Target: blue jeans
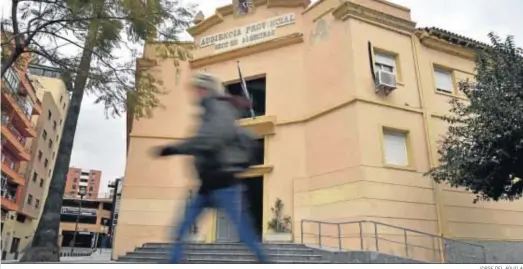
(227, 199)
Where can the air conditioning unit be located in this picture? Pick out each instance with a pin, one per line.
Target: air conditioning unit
(385, 82)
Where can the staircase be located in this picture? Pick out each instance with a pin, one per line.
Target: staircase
(222, 253)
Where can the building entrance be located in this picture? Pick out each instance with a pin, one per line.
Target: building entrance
(251, 203)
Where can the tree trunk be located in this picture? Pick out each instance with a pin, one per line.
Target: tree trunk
(45, 243)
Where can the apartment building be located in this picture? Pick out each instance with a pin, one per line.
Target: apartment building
(349, 98)
(78, 178)
(19, 105)
(53, 95)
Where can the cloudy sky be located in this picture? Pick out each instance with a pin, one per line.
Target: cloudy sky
(100, 142)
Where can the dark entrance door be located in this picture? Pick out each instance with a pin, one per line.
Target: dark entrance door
(251, 203)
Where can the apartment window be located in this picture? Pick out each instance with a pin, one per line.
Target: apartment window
(41, 182)
(61, 98)
(50, 144)
(29, 199)
(44, 135)
(50, 172)
(74, 187)
(443, 80)
(63, 106)
(49, 114)
(91, 189)
(37, 203)
(46, 162)
(53, 154)
(54, 125)
(39, 155)
(385, 62)
(75, 179)
(35, 176)
(395, 147)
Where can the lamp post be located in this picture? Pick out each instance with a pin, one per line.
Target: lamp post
(81, 192)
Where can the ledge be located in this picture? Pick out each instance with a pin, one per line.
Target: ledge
(256, 171)
(443, 46)
(252, 49)
(260, 126)
(350, 9)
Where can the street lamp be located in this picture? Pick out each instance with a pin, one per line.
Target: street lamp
(81, 192)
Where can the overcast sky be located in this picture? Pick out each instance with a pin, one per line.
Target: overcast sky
(100, 142)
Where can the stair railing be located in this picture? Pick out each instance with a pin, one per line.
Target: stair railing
(454, 251)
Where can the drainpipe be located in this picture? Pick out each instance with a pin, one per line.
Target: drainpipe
(426, 123)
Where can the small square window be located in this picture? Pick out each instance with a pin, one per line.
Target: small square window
(40, 155)
(29, 199)
(54, 125)
(44, 134)
(41, 182)
(385, 62)
(46, 162)
(395, 148)
(49, 114)
(37, 203)
(61, 98)
(50, 172)
(443, 80)
(50, 144)
(35, 175)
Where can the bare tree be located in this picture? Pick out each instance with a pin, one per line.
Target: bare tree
(96, 29)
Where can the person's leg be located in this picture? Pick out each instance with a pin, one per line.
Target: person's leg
(193, 211)
(229, 200)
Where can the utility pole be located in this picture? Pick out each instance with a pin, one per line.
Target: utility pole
(81, 193)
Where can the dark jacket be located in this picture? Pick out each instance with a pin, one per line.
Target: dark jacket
(217, 128)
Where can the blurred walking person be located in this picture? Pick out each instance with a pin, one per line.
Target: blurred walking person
(221, 149)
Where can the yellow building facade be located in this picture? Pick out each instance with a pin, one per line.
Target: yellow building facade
(343, 140)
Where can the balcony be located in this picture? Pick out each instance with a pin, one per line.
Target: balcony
(14, 141)
(8, 195)
(9, 167)
(13, 109)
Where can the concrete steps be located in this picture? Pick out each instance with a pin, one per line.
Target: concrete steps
(223, 253)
